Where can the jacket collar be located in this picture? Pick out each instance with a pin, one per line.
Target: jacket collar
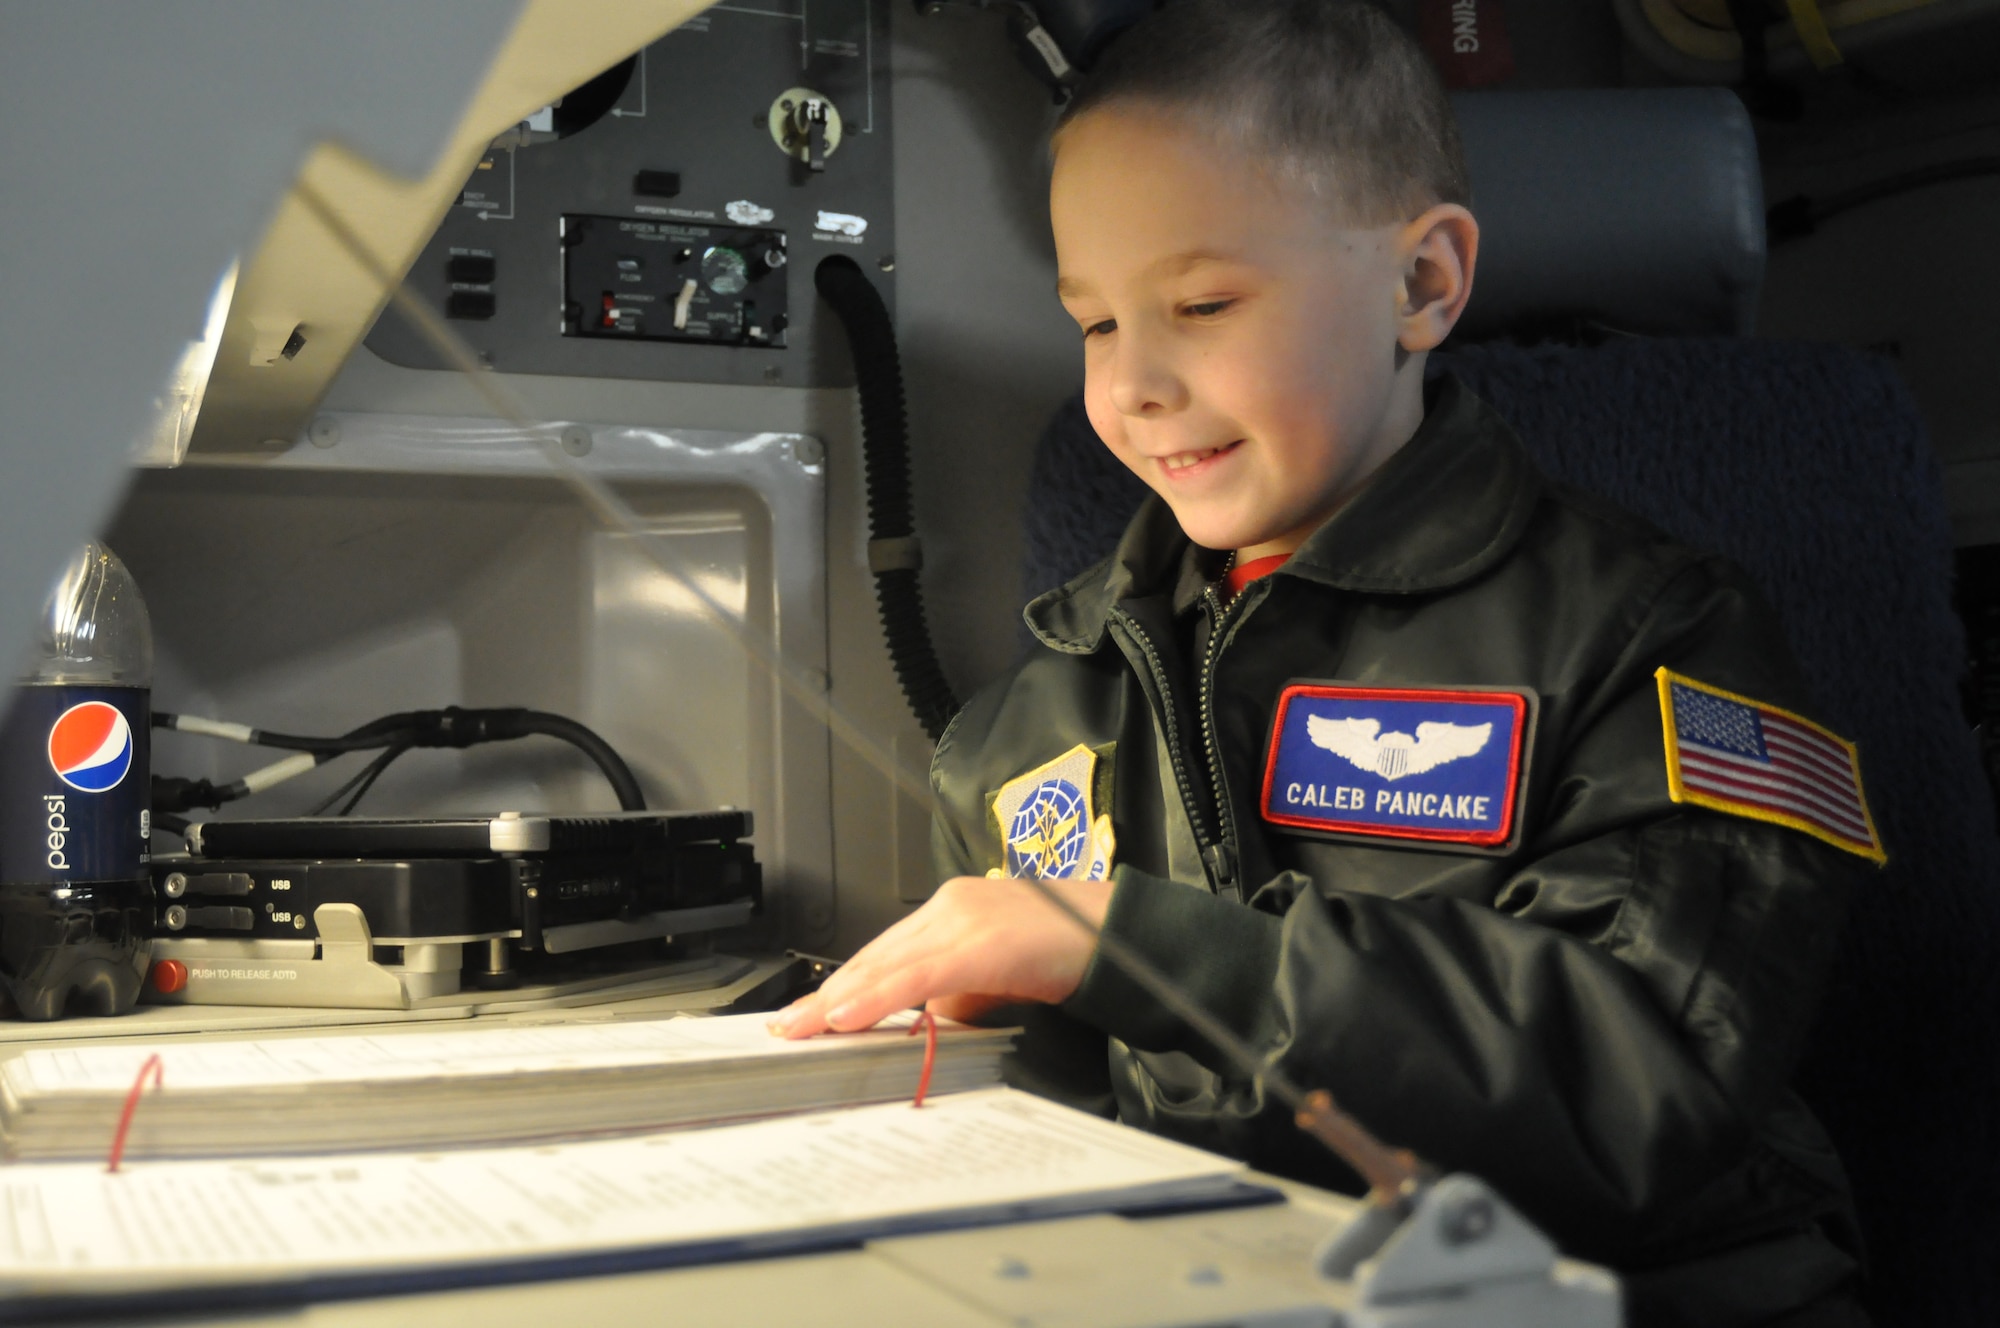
(1448, 505)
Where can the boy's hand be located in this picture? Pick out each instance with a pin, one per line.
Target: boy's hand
(976, 944)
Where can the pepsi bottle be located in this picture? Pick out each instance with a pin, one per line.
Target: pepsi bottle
(76, 898)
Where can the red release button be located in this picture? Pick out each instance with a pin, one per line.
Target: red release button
(169, 976)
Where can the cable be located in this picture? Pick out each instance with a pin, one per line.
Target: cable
(1393, 1174)
(325, 805)
(366, 780)
(623, 784)
(1800, 216)
(456, 727)
(1765, 96)
(170, 795)
(893, 552)
(366, 737)
(398, 733)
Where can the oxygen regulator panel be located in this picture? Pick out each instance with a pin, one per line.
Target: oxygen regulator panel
(663, 221)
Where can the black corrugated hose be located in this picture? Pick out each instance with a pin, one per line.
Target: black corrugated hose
(892, 544)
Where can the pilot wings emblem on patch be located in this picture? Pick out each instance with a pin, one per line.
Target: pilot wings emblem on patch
(1440, 766)
(1396, 755)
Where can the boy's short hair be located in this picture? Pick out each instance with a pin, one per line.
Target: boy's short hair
(1331, 93)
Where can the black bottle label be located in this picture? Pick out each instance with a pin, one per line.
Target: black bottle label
(75, 784)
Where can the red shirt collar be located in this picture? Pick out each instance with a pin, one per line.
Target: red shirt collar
(1243, 574)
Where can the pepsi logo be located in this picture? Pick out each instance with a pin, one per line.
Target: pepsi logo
(90, 747)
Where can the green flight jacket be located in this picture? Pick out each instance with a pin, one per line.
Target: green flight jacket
(1602, 1021)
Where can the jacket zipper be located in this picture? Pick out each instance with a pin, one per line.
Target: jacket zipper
(1224, 866)
(1203, 839)
(1217, 856)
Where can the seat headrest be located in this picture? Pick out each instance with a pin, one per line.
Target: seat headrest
(1638, 209)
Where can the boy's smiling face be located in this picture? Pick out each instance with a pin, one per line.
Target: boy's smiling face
(1245, 353)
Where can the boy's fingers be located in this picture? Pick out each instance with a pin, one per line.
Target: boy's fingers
(807, 1017)
(900, 990)
(857, 981)
(858, 1005)
(804, 1017)
(967, 942)
(878, 961)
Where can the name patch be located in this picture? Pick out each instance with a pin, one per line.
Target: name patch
(1441, 766)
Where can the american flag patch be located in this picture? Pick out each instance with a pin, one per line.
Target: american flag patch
(1738, 755)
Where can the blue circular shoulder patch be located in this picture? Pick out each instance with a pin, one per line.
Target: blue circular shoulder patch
(1045, 840)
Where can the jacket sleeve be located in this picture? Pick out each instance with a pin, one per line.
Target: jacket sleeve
(1599, 1038)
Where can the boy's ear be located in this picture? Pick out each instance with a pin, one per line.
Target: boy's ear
(1437, 252)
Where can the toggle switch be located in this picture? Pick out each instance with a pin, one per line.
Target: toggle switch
(809, 119)
(806, 126)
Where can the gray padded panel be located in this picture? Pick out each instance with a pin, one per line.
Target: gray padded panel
(142, 145)
(1638, 209)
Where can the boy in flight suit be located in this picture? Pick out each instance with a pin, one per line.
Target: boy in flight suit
(1464, 796)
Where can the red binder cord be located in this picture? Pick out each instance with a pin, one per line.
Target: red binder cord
(151, 1065)
(928, 1022)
